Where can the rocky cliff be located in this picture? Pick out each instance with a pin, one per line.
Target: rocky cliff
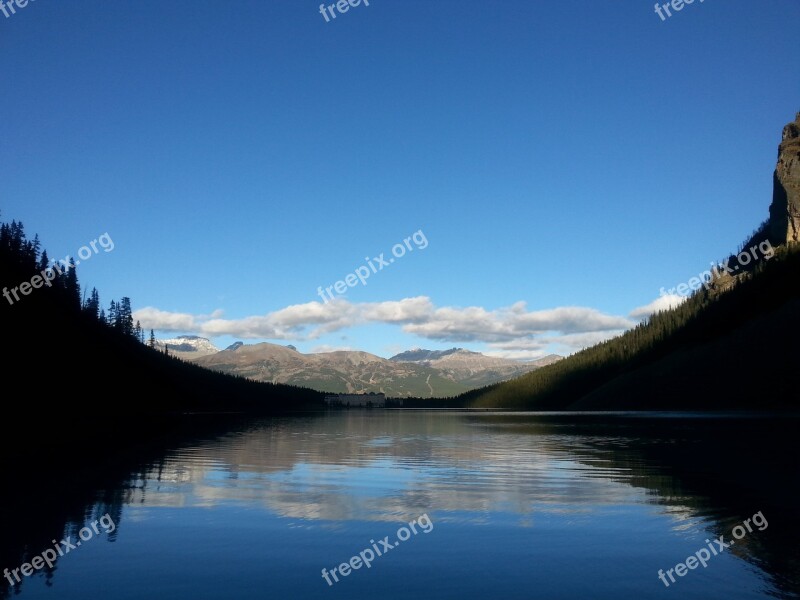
(784, 212)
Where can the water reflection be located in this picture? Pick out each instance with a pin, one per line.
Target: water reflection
(671, 476)
(371, 467)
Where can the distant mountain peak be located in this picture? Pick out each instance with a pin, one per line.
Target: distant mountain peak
(235, 346)
(419, 354)
(188, 346)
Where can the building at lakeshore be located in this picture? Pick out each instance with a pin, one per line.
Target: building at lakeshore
(371, 400)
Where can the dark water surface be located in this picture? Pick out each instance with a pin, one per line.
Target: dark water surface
(507, 506)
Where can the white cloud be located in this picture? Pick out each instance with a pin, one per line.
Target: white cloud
(474, 324)
(566, 344)
(665, 302)
(408, 310)
(419, 316)
(153, 318)
(574, 342)
(522, 349)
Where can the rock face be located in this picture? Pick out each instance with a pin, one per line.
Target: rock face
(784, 213)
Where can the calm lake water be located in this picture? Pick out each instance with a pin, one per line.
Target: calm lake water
(507, 506)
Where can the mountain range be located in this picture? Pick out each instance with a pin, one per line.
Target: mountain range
(415, 373)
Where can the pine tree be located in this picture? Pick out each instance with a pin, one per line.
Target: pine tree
(125, 316)
(73, 288)
(33, 253)
(139, 334)
(92, 306)
(113, 315)
(44, 262)
(152, 342)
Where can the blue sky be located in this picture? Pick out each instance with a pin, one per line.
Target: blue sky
(563, 160)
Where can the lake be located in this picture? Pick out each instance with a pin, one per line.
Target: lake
(503, 505)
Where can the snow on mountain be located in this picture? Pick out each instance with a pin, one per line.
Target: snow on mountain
(188, 346)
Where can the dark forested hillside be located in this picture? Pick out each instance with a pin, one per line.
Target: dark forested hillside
(68, 362)
(734, 348)
(731, 345)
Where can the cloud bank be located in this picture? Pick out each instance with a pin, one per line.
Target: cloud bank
(510, 331)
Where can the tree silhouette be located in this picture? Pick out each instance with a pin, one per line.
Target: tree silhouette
(113, 315)
(125, 317)
(138, 332)
(73, 288)
(92, 305)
